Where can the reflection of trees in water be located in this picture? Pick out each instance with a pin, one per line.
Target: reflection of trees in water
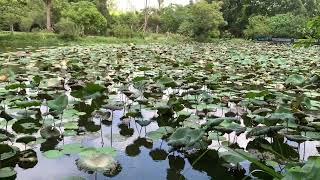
(215, 167)
(176, 165)
(86, 120)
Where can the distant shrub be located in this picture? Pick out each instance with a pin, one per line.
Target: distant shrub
(67, 28)
(185, 28)
(258, 26)
(280, 25)
(122, 31)
(25, 24)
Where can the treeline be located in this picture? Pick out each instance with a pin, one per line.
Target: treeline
(201, 20)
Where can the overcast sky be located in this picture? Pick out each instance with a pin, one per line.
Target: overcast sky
(126, 5)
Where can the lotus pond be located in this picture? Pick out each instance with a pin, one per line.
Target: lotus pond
(227, 110)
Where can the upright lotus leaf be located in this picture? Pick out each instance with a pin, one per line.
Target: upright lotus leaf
(212, 122)
(167, 81)
(143, 123)
(183, 137)
(26, 139)
(295, 80)
(49, 132)
(6, 116)
(7, 173)
(160, 133)
(232, 157)
(7, 152)
(281, 150)
(238, 155)
(26, 126)
(7, 74)
(90, 90)
(310, 171)
(254, 94)
(264, 130)
(26, 104)
(47, 83)
(297, 138)
(59, 103)
(14, 86)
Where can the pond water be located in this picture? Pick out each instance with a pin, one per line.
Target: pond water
(160, 111)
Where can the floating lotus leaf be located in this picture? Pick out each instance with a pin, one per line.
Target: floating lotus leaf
(26, 126)
(72, 148)
(73, 178)
(53, 154)
(104, 150)
(27, 159)
(99, 162)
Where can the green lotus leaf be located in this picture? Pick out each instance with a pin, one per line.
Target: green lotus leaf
(264, 130)
(26, 126)
(310, 171)
(295, 80)
(159, 133)
(7, 172)
(185, 137)
(53, 154)
(49, 132)
(59, 103)
(72, 148)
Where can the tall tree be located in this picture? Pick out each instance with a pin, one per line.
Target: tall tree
(48, 6)
(145, 25)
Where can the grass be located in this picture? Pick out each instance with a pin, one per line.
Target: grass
(10, 41)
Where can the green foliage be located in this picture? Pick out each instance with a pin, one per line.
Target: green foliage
(281, 25)
(206, 20)
(122, 31)
(67, 28)
(86, 16)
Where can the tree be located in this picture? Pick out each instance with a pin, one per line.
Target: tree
(172, 17)
(206, 19)
(86, 16)
(48, 6)
(145, 25)
(10, 11)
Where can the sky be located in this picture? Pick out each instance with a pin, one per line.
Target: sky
(126, 5)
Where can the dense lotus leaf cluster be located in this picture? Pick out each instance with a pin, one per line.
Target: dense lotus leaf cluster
(201, 96)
